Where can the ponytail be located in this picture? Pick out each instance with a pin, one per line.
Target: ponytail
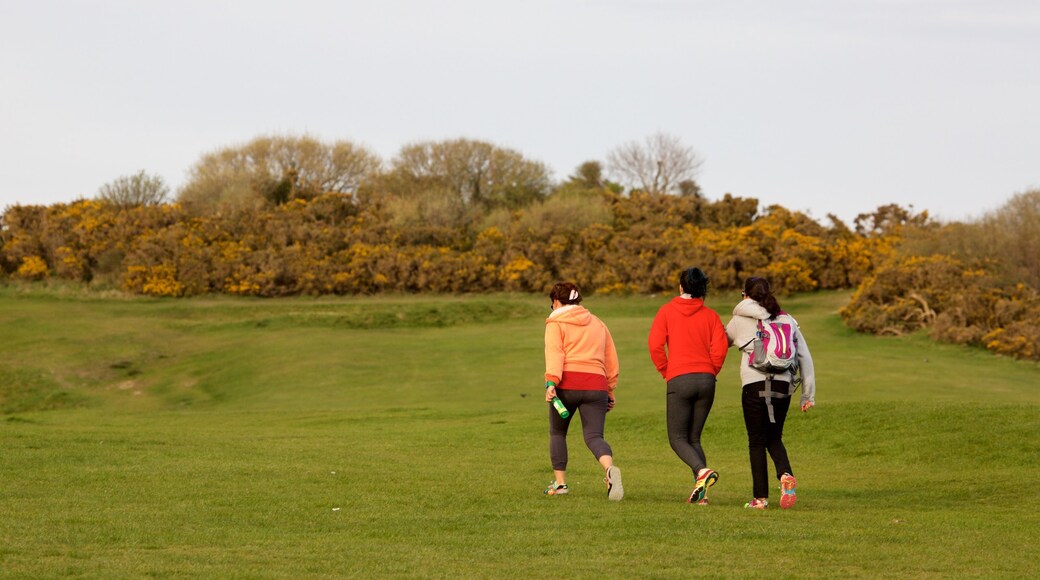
(758, 290)
(566, 293)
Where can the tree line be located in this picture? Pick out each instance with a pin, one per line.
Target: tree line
(331, 244)
(283, 216)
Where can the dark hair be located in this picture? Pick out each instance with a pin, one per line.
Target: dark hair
(563, 291)
(758, 290)
(694, 282)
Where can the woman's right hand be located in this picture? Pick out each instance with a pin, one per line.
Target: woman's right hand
(550, 394)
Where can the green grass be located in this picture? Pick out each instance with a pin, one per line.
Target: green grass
(405, 436)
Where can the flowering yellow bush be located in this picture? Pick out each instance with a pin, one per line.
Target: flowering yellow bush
(956, 302)
(160, 280)
(605, 242)
(32, 268)
(332, 245)
(516, 268)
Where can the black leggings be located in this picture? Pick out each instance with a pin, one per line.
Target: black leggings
(592, 405)
(764, 435)
(689, 401)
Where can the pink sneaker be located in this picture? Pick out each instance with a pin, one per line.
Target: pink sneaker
(787, 491)
(757, 504)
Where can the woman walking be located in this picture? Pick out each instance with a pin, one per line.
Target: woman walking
(688, 346)
(766, 395)
(581, 368)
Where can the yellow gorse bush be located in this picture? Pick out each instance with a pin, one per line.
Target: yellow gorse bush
(607, 243)
(32, 268)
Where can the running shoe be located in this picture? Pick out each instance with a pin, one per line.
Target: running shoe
(703, 502)
(615, 490)
(706, 479)
(556, 489)
(757, 504)
(787, 491)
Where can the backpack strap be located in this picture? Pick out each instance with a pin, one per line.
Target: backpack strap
(769, 394)
(758, 334)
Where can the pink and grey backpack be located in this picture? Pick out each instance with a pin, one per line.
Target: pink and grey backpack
(775, 346)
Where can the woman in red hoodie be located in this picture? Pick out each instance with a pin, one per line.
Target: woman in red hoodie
(581, 368)
(696, 349)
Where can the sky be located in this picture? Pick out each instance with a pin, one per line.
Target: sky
(820, 106)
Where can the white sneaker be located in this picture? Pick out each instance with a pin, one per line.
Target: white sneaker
(556, 489)
(615, 490)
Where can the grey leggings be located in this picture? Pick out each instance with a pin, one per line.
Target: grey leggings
(689, 401)
(592, 405)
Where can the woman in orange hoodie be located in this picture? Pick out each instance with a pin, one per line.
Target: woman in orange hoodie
(696, 349)
(581, 368)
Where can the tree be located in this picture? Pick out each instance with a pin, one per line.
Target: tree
(135, 190)
(890, 219)
(274, 170)
(589, 174)
(661, 164)
(689, 187)
(478, 173)
(1014, 231)
(1008, 239)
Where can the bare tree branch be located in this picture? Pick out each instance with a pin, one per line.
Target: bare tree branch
(658, 165)
(135, 190)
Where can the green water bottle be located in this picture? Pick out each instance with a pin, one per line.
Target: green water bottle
(560, 408)
(557, 403)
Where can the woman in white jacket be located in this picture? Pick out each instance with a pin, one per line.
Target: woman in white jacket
(766, 397)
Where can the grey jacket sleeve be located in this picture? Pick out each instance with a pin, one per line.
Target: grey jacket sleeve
(805, 363)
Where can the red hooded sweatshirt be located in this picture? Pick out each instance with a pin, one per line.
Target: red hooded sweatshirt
(695, 337)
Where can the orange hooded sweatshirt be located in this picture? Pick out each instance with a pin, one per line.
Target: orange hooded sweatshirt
(695, 337)
(578, 342)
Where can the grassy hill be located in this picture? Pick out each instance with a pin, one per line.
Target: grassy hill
(406, 436)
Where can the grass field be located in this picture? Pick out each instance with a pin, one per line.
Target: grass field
(406, 436)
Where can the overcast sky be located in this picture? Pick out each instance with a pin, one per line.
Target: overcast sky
(818, 105)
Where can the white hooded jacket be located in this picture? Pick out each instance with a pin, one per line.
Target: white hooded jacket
(741, 330)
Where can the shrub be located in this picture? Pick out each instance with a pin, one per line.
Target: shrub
(33, 268)
(956, 302)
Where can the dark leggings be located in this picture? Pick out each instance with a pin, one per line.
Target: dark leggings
(592, 405)
(689, 401)
(763, 435)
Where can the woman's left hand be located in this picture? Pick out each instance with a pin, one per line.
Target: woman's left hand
(550, 393)
(610, 403)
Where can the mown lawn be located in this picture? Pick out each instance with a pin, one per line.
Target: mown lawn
(405, 436)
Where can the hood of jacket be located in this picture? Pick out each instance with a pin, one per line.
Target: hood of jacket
(751, 309)
(575, 314)
(687, 306)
